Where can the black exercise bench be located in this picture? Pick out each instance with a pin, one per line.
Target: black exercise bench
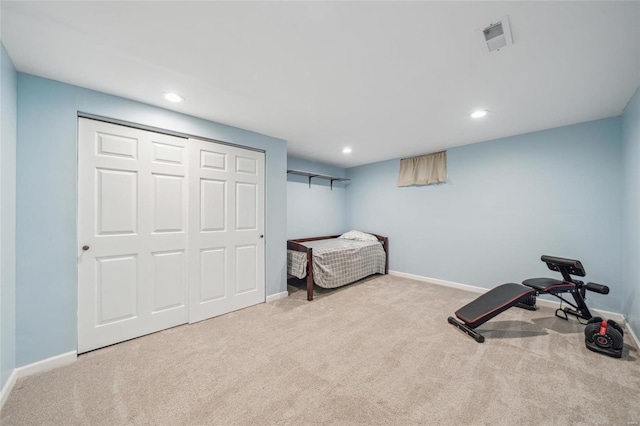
(505, 296)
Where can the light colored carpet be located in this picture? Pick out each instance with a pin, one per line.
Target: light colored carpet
(376, 352)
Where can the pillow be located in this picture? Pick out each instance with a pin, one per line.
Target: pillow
(358, 236)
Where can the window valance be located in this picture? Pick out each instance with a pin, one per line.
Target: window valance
(423, 170)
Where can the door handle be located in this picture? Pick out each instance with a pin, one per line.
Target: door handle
(261, 236)
(85, 248)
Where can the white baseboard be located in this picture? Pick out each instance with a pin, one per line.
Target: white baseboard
(543, 302)
(36, 367)
(274, 297)
(47, 364)
(633, 335)
(440, 282)
(617, 317)
(8, 386)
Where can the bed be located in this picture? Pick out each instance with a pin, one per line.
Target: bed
(336, 260)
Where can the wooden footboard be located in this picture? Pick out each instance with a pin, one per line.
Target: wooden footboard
(297, 246)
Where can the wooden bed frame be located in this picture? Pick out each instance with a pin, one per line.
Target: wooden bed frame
(297, 246)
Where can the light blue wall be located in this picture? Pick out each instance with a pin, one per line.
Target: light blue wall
(315, 211)
(46, 203)
(8, 121)
(631, 224)
(506, 203)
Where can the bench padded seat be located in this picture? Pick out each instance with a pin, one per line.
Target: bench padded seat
(492, 303)
(549, 285)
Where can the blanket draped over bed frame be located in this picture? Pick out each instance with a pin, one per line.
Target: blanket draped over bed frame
(332, 262)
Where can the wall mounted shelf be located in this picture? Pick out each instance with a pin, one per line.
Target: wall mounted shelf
(311, 175)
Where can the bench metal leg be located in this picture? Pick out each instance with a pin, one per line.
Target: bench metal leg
(464, 327)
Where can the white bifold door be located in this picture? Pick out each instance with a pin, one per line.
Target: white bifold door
(170, 231)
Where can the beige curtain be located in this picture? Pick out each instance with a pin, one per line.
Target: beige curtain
(423, 170)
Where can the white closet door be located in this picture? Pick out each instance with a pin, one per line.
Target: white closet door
(132, 218)
(226, 236)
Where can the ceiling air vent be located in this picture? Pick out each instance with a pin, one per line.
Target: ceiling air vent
(496, 36)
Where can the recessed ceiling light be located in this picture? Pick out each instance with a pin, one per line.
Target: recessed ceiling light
(479, 114)
(172, 97)
(346, 150)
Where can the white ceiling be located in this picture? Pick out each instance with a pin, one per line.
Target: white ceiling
(389, 79)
